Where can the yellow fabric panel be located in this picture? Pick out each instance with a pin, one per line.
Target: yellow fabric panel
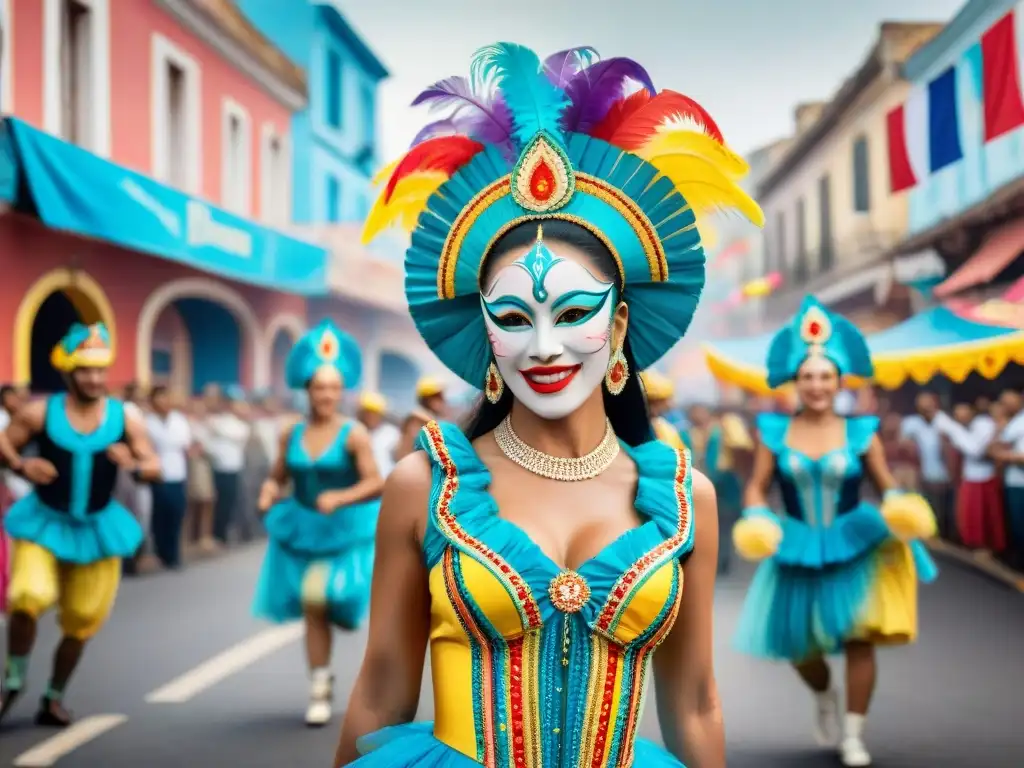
(666, 433)
(645, 604)
(85, 594)
(890, 612)
(314, 585)
(490, 597)
(451, 662)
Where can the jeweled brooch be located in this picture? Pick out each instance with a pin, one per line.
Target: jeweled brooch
(569, 592)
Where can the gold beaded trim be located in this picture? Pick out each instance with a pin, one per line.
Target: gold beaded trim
(565, 469)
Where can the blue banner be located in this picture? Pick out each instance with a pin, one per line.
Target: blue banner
(77, 191)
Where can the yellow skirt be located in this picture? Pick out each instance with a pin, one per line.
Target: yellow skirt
(889, 614)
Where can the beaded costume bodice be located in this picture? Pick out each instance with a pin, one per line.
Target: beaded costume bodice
(534, 665)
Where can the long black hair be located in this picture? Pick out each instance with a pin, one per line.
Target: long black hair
(627, 411)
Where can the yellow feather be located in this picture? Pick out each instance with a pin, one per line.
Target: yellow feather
(385, 173)
(706, 188)
(685, 142)
(407, 202)
(708, 233)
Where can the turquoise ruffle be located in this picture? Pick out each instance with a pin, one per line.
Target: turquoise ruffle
(406, 746)
(772, 428)
(850, 536)
(111, 532)
(477, 513)
(306, 531)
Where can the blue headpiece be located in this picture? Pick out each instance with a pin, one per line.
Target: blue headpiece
(83, 346)
(527, 140)
(324, 346)
(816, 331)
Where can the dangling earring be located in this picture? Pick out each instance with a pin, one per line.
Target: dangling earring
(494, 385)
(618, 373)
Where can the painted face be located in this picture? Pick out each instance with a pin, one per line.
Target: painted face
(549, 321)
(817, 383)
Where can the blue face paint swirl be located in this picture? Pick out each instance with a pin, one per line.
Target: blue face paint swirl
(538, 262)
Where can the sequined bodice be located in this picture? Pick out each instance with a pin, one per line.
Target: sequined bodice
(311, 476)
(534, 665)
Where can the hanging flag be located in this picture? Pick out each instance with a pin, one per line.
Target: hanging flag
(1004, 102)
(908, 132)
(944, 146)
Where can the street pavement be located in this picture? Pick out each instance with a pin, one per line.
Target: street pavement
(183, 676)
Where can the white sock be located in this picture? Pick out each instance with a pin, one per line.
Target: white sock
(825, 698)
(320, 677)
(854, 725)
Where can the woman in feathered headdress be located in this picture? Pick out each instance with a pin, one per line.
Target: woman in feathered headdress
(839, 574)
(555, 253)
(320, 555)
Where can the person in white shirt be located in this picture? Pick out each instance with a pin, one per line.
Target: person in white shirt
(171, 437)
(980, 508)
(10, 400)
(935, 481)
(1011, 452)
(137, 496)
(226, 435)
(384, 436)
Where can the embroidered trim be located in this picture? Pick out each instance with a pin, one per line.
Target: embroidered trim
(447, 522)
(636, 574)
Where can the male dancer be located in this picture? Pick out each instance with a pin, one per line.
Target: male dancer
(70, 534)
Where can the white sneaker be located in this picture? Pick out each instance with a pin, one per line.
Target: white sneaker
(853, 753)
(827, 732)
(319, 711)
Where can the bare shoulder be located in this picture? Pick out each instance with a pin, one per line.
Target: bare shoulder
(407, 495)
(702, 495)
(32, 415)
(357, 432)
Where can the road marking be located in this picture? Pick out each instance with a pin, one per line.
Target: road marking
(225, 664)
(53, 749)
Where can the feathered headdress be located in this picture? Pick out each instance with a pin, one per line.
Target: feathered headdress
(816, 331)
(564, 138)
(324, 347)
(83, 346)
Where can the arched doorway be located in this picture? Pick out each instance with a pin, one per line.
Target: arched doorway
(282, 332)
(397, 380)
(49, 307)
(217, 337)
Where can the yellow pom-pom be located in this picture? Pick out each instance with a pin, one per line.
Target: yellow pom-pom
(756, 538)
(909, 517)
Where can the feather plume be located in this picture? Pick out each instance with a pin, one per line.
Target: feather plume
(675, 142)
(706, 188)
(448, 126)
(561, 67)
(535, 102)
(385, 173)
(480, 112)
(594, 90)
(631, 124)
(444, 153)
(408, 201)
(618, 113)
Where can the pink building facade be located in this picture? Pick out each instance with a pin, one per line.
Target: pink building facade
(186, 94)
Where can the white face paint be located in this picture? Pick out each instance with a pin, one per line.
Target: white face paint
(549, 321)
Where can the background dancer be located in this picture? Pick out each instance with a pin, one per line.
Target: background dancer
(840, 575)
(660, 393)
(70, 533)
(320, 556)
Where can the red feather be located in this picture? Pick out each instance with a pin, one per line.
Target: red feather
(633, 120)
(443, 153)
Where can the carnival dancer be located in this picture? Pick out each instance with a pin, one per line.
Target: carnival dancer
(320, 555)
(556, 256)
(840, 574)
(70, 533)
(660, 393)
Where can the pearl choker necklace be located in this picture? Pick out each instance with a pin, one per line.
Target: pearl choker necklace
(557, 467)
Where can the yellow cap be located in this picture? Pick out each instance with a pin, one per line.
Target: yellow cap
(373, 402)
(428, 386)
(657, 386)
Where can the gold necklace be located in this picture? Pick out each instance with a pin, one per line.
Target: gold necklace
(568, 470)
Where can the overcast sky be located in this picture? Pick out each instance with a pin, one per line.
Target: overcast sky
(747, 61)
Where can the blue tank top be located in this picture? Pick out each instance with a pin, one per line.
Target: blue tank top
(330, 471)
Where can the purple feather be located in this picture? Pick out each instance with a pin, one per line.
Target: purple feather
(482, 116)
(561, 67)
(594, 90)
(448, 126)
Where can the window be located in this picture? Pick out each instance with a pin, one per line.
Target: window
(333, 85)
(275, 181)
(6, 35)
(861, 176)
(333, 199)
(369, 116)
(800, 268)
(176, 117)
(236, 159)
(826, 255)
(780, 234)
(76, 43)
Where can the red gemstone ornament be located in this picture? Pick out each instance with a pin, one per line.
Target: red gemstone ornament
(542, 182)
(815, 328)
(616, 374)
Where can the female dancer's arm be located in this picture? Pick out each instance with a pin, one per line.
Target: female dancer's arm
(756, 492)
(272, 487)
(360, 448)
(689, 710)
(387, 689)
(878, 467)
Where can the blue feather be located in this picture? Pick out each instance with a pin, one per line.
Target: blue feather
(778, 362)
(855, 346)
(536, 103)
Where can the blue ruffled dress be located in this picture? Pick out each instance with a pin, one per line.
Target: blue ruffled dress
(534, 665)
(76, 516)
(838, 575)
(313, 558)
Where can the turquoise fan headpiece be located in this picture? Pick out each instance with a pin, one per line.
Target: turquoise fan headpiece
(816, 331)
(325, 346)
(567, 138)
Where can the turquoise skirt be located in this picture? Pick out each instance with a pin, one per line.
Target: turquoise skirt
(317, 560)
(414, 746)
(110, 532)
